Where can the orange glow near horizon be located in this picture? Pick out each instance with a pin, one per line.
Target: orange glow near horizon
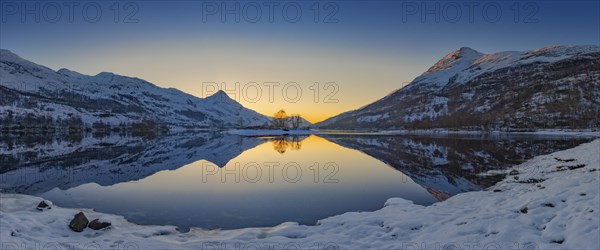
(356, 77)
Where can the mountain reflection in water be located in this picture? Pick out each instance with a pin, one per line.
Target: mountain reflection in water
(215, 180)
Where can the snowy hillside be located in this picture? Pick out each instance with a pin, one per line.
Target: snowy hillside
(34, 94)
(552, 87)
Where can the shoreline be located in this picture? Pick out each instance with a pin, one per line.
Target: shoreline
(279, 132)
(548, 207)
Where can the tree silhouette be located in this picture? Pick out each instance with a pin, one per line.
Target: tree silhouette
(280, 119)
(295, 120)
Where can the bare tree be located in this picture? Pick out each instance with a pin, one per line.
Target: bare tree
(280, 119)
(295, 120)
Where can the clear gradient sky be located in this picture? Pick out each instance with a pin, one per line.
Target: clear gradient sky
(366, 48)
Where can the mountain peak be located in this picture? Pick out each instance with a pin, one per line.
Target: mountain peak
(464, 55)
(3, 51)
(105, 74)
(220, 93)
(9, 56)
(71, 73)
(220, 96)
(468, 50)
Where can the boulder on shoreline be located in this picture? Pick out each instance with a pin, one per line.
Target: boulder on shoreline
(98, 224)
(45, 204)
(79, 222)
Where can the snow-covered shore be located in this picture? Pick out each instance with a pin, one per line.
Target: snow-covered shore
(549, 202)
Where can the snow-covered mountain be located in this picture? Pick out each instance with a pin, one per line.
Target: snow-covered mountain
(551, 87)
(34, 94)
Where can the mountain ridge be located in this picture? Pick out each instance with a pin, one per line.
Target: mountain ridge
(424, 103)
(107, 98)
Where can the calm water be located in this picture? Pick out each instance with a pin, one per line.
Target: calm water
(227, 181)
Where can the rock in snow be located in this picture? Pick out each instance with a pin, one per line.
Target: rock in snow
(79, 222)
(45, 204)
(98, 224)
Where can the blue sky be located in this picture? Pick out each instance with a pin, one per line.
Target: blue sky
(368, 48)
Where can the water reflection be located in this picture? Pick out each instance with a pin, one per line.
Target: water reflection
(283, 143)
(215, 180)
(37, 168)
(448, 165)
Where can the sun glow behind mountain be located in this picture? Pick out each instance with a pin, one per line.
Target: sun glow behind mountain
(176, 45)
(262, 77)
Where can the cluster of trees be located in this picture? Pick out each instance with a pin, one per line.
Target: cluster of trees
(12, 122)
(282, 120)
(39, 123)
(146, 128)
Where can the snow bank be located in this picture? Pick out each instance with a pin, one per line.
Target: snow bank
(549, 202)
